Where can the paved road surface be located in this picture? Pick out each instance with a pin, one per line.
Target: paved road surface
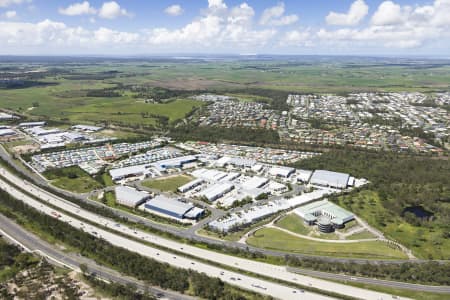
(32, 243)
(235, 278)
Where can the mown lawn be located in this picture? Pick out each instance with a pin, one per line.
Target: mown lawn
(294, 223)
(169, 184)
(274, 239)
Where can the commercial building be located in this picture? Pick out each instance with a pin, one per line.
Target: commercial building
(7, 132)
(32, 124)
(87, 128)
(216, 191)
(254, 183)
(127, 172)
(209, 175)
(130, 197)
(280, 171)
(311, 212)
(330, 179)
(173, 208)
(7, 117)
(190, 185)
(177, 162)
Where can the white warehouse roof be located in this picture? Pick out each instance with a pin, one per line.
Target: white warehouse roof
(127, 171)
(255, 182)
(329, 178)
(168, 204)
(128, 196)
(216, 190)
(281, 171)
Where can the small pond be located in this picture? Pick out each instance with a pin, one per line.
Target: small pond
(418, 211)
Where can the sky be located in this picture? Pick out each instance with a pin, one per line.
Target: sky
(294, 27)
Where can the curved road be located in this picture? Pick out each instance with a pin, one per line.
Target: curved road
(180, 232)
(244, 281)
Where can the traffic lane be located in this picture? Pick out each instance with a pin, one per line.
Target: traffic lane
(246, 282)
(35, 244)
(265, 269)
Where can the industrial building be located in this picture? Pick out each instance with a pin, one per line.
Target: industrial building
(87, 128)
(32, 124)
(303, 175)
(330, 179)
(7, 132)
(177, 162)
(127, 172)
(209, 175)
(190, 185)
(173, 208)
(310, 213)
(130, 197)
(254, 183)
(216, 191)
(280, 171)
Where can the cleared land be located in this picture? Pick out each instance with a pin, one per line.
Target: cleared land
(271, 238)
(72, 179)
(169, 184)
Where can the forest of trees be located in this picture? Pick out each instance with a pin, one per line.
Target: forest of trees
(400, 181)
(216, 134)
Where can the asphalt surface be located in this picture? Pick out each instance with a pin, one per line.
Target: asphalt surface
(232, 277)
(32, 243)
(180, 232)
(264, 269)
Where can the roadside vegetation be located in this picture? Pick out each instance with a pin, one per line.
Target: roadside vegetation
(72, 179)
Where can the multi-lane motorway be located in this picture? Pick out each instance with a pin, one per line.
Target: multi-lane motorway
(235, 278)
(31, 243)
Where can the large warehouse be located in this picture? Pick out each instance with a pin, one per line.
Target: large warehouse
(130, 197)
(173, 207)
(281, 171)
(217, 190)
(311, 212)
(330, 179)
(126, 172)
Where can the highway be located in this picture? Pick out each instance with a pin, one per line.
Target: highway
(180, 232)
(31, 243)
(264, 269)
(235, 278)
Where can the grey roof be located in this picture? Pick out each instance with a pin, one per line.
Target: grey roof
(254, 182)
(129, 194)
(169, 204)
(324, 207)
(334, 179)
(217, 189)
(5, 132)
(115, 173)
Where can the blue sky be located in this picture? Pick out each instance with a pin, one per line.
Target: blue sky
(133, 27)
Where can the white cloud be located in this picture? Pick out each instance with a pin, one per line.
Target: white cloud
(274, 16)
(297, 38)
(112, 10)
(6, 3)
(76, 9)
(10, 14)
(358, 10)
(388, 13)
(216, 4)
(174, 10)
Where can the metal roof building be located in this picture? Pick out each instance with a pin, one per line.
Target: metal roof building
(217, 190)
(172, 207)
(329, 178)
(190, 185)
(254, 183)
(118, 174)
(130, 197)
(281, 171)
(7, 132)
(32, 124)
(313, 210)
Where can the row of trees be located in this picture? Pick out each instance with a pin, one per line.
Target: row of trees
(125, 261)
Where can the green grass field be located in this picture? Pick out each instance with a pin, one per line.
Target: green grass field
(361, 235)
(274, 239)
(294, 223)
(169, 184)
(72, 179)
